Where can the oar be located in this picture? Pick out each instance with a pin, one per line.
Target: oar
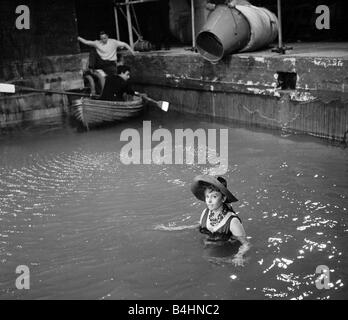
(11, 88)
(163, 105)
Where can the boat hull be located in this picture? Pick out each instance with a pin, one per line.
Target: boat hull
(92, 112)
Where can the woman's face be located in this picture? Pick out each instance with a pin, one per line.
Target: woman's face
(213, 199)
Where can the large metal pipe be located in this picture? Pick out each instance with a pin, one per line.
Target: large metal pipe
(236, 29)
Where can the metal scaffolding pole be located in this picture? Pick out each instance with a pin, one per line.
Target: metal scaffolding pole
(280, 31)
(193, 24)
(127, 3)
(116, 23)
(280, 49)
(130, 28)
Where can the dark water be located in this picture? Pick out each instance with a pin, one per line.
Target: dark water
(90, 227)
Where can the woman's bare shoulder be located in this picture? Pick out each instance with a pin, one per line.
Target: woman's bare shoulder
(237, 228)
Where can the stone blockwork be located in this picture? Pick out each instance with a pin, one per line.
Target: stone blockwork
(44, 56)
(50, 73)
(55, 72)
(245, 88)
(16, 109)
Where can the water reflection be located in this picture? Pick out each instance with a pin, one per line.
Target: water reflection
(90, 227)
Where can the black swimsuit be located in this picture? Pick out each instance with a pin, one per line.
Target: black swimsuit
(223, 233)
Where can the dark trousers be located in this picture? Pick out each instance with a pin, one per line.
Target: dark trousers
(95, 62)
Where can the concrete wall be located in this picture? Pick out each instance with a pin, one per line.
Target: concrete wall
(243, 88)
(58, 72)
(51, 73)
(16, 109)
(45, 56)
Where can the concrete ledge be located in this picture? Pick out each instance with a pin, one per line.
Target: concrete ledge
(244, 87)
(247, 72)
(315, 118)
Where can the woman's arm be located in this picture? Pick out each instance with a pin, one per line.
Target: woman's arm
(238, 232)
(87, 42)
(201, 218)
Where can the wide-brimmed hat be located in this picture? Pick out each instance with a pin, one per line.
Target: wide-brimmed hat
(202, 181)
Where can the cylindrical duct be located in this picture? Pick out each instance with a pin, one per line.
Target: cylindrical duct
(263, 26)
(241, 28)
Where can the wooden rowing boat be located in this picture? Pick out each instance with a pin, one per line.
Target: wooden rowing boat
(92, 112)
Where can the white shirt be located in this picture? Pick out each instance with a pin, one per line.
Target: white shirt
(107, 51)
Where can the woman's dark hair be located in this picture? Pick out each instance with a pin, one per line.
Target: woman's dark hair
(228, 207)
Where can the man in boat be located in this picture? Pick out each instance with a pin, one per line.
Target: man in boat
(106, 52)
(117, 85)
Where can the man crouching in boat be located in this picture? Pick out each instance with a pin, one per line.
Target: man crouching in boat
(116, 86)
(219, 221)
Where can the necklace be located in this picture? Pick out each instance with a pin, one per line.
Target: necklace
(215, 218)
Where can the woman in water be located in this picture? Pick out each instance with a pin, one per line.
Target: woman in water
(218, 220)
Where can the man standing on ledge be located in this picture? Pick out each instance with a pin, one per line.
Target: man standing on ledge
(106, 49)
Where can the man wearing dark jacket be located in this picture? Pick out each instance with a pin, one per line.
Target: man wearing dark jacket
(117, 85)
